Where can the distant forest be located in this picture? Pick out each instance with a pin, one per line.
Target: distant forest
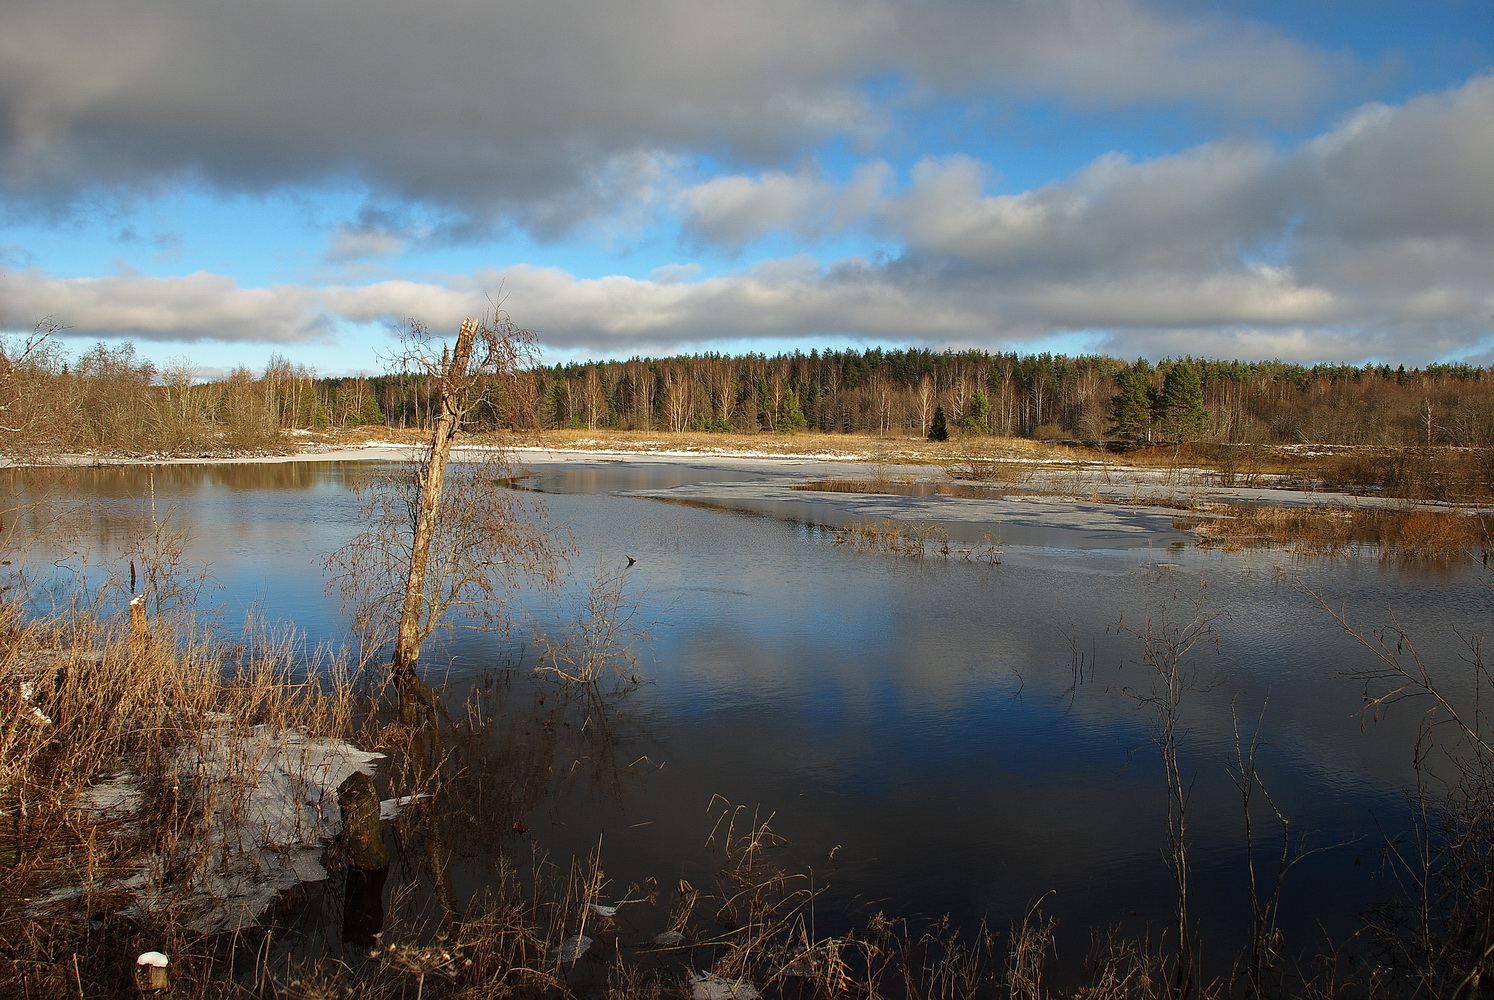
(110, 400)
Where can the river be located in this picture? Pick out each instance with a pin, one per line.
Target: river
(938, 735)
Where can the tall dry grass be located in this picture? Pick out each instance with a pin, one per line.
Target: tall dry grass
(124, 779)
(1400, 534)
(905, 539)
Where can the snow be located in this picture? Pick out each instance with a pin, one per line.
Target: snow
(391, 808)
(264, 801)
(709, 986)
(570, 949)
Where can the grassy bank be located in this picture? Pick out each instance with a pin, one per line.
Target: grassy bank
(143, 777)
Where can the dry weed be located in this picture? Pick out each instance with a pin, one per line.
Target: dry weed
(907, 539)
(1412, 534)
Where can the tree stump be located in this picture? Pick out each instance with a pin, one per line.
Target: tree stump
(139, 630)
(362, 831)
(152, 972)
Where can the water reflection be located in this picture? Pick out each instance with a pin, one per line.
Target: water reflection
(920, 720)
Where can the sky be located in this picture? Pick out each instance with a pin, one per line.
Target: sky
(220, 181)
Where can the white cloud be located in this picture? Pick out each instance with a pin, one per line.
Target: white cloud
(732, 211)
(398, 301)
(669, 274)
(194, 307)
(1231, 248)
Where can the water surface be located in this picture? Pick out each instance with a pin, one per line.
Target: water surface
(931, 736)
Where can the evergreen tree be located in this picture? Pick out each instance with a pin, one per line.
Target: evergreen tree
(790, 413)
(1181, 407)
(560, 403)
(767, 415)
(1131, 408)
(978, 417)
(939, 431)
(371, 412)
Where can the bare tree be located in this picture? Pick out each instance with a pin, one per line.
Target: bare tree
(927, 399)
(679, 398)
(25, 366)
(442, 542)
(593, 399)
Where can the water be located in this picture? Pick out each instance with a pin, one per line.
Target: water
(931, 736)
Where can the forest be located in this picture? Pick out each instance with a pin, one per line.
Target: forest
(109, 399)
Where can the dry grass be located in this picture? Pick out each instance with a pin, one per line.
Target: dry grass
(1400, 534)
(849, 447)
(84, 705)
(906, 539)
(1450, 475)
(893, 485)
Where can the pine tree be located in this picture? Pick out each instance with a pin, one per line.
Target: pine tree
(790, 413)
(1131, 408)
(939, 431)
(978, 417)
(767, 413)
(1181, 407)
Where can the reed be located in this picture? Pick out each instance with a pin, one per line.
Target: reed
(131, 764)
(1400, 534)
(878, 484)
(905, 539)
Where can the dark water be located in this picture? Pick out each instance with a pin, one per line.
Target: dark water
(931, 736)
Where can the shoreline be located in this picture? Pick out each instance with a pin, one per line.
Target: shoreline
(1031, 502)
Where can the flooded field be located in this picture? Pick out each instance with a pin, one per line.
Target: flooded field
(929, 736)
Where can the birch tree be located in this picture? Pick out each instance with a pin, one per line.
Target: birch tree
(445, 543)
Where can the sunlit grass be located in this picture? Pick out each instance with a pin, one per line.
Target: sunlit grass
(1401, 534)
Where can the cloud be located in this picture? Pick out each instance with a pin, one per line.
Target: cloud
(550, 113)
(1232, 248)
(1383, 224)
(1263, 314)
(732, 211)
(1116, 53)
(192, 308)
(350, 243)
(1179, 213)
(1420, 170)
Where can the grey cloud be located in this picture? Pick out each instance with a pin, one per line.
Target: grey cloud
(514, 111)
(1419, 170)
(733, 211)
(1265, 313)
(1186, 212)
(350, 243)
(1304, 345)
(195, 307)
(1118, 52)
(796, 297)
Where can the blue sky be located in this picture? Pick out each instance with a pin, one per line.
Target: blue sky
(218, 181)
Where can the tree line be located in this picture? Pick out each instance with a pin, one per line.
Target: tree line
(108, 399)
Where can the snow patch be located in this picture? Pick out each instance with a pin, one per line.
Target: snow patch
(570, 949)
(709, 986)
(264, 803)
